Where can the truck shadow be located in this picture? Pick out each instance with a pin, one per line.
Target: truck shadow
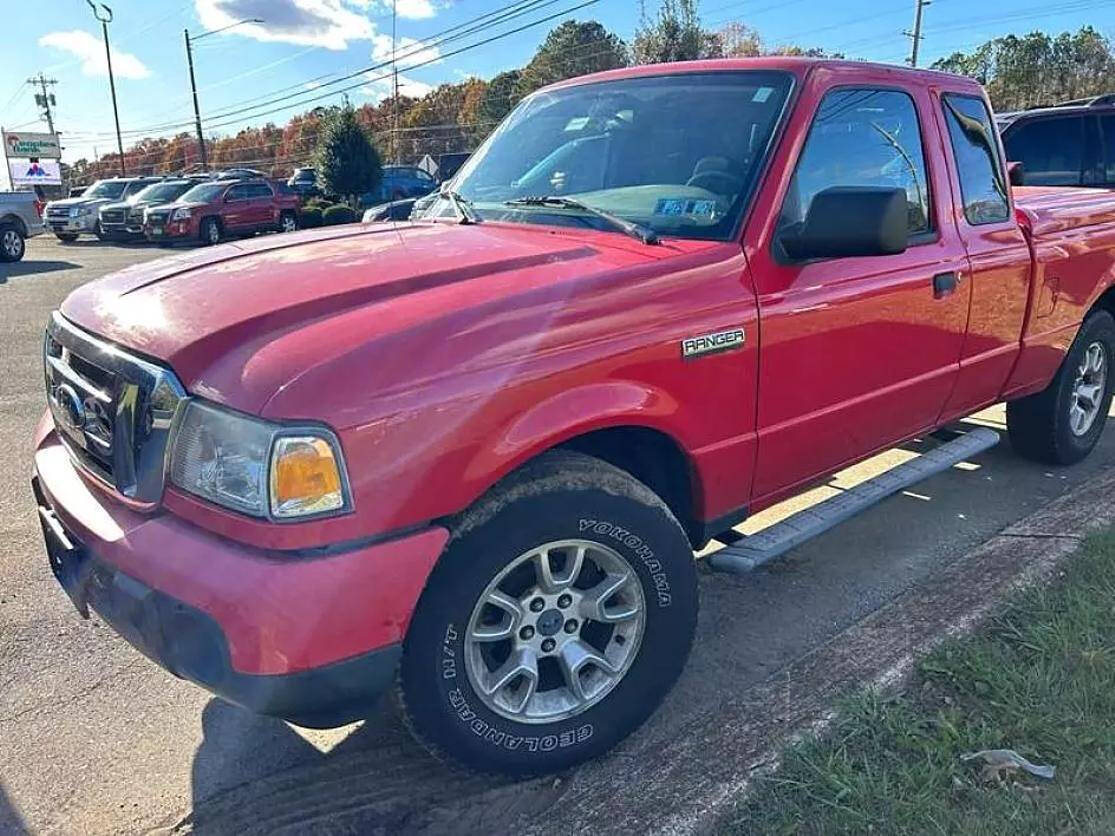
(256, 775)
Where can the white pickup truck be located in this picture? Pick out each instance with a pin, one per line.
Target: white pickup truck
(21, 217)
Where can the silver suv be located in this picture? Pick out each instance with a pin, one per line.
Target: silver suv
(69, 218)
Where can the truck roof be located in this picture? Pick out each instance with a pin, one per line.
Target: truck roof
(860, 71)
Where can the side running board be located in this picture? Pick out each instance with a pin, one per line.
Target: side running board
(750, 552)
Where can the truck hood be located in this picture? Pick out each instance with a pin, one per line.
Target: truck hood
(239, 321)
(68, 202)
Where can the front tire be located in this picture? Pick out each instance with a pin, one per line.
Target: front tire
(558, 618)
(1062, 423)
(210, 231)
(12, 243)
(66, 237)
(288, 222)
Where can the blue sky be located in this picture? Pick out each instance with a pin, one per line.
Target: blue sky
(301, 40)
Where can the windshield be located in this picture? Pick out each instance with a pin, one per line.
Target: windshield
(159, 191)
(204, 193)
(106, 188)
(676, 154)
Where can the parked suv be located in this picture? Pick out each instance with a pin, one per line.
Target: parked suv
(1071, 144)
(211, 210)
(399, 182)
(73, 216)
(123, 220)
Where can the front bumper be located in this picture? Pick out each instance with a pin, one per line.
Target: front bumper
(171, 231)
(309, 639)
(82, 223)
(121, 230)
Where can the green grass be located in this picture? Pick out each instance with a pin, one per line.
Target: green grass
(1039, 678)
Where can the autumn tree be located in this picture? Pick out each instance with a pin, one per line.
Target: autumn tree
(1038, 68)
(675, 33)
(347, 162)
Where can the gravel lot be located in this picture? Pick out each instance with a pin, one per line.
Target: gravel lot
(94, 738)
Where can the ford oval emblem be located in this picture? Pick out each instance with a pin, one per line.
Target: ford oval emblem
(72, 411)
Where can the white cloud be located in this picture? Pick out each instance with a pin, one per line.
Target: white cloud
(380, 88)
(416, 9)
(325, 23)
(91, 51)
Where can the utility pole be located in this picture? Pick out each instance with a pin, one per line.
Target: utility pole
(916, 35)
(46, 100)
(193, 84)
(105, 20)
(395, 75)
(197, 111)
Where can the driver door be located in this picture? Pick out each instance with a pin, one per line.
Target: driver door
(857, 352)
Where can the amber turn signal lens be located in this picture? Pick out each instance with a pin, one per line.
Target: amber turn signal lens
(305, 477)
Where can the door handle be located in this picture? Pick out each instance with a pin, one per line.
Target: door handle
(944, 284)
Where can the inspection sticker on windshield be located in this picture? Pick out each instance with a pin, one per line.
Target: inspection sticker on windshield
(685, 206)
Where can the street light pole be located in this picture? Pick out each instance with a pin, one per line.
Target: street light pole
(193, 83)
(105, 21)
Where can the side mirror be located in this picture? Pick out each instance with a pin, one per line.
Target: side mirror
(1015, 174)
(851, 221)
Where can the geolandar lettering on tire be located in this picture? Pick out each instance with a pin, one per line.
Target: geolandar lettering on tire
(641, 549)
(513, 742)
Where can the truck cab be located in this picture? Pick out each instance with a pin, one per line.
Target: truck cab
(470, 455)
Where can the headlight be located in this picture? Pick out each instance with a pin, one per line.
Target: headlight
(75, 211)
(256, 467)
(180, 214)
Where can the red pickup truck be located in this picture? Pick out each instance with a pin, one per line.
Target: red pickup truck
(470, 455)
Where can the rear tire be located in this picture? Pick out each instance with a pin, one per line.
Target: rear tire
(640, 632)
(210, 231)
(12, 243)
(288, 222)
(1062, 423)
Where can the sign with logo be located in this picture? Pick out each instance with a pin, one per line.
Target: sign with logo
(35, 145)
(26, 173)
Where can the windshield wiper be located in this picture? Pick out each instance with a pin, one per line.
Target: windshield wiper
(462, 206)
(647, 236)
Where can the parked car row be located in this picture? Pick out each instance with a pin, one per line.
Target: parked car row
(399, 182)
(178, 209)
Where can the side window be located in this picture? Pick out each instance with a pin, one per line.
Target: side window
(982, 183)
(1051, 150)
(862, 137)
(261, 190)
(237, 193)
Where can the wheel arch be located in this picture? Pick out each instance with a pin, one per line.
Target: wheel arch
(16, 221)
(633, 435)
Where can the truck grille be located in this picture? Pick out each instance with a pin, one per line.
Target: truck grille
(112, 410)
(58, 213)
(112, 216)
(158, 217)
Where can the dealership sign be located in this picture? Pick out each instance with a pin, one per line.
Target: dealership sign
(34, 145)
(43, 173)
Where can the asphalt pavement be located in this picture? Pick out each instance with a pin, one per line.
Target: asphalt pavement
(94, 738)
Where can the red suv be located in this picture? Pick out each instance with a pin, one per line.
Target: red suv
(212, 210)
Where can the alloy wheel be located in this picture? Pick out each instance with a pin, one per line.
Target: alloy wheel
(555, 631)
(12, 244)
(1088, 389)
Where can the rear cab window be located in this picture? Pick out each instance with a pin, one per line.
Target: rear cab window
(862, 137)
(983, 183)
